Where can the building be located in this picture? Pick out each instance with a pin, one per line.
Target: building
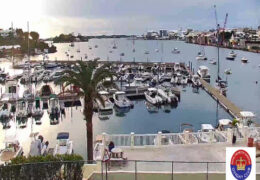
(163, 33)
(5, 33)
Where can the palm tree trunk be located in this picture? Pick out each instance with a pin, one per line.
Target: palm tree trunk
(88, 112)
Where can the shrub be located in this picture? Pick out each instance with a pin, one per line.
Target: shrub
(68, 167)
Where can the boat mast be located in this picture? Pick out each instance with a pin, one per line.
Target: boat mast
(29, 73)
(217, 25)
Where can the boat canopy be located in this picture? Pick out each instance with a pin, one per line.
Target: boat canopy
(119, 92)
(63, 135)
(152, 89)
(207, 127)
(203, 68)
(224, 122)
(103, 92)
(247, 114)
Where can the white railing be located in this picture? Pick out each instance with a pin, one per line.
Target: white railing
(161, 139)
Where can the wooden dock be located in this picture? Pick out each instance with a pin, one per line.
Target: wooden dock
(230, 107)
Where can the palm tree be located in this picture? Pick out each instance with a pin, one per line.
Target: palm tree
(87, 77)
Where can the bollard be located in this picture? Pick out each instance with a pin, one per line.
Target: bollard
(159, 139)
(132, 140)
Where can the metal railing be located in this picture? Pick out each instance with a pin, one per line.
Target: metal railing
(164, 170)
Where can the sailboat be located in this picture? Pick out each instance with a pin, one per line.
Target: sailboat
(114, 46)
(201, 54)
(133, 45)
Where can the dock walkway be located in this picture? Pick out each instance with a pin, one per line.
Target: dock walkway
(224, 101)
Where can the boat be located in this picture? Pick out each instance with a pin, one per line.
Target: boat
(96, 46)
(213, 62)
(11, 150)
(72, 44)
(64, 145)
(176, 51)
(121, 101)
(164, 96)
(204, 133)
(78, 50)
(200, 56)
(122, 54)
(228, 71)
(203, 72)
(11, 91)
(146, 52)
(105, 108)
(222, 86)
(90, 47)
(224, 124)
(37, 111)
(196, 80)
(151, 95)
(22, 113)
(244, 60)
(136, 84)
(230, 57)
(156, 50)
(54, 109)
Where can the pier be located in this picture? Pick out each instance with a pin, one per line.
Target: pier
(224, 101)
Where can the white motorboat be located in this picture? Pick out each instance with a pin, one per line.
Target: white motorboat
(176, 51)
(151, 95)
(230, 57)
(205, 135)
(196, 80)
(11, 150)
(224, 124)
(11, 91)
(203, 72)
(136, 84)
(37, 111)
(64, 145)
(121, 101)
(22, 113)
(107, 106)
(228, 71)
(164, 96)
(146, 52)
(54, 109)
(213, 62)
(244, 60)
(201, 56)
(177, 67)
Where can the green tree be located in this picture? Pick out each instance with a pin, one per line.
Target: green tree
(35, 36)
(87, 77)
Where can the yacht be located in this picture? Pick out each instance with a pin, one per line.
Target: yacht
(196, 80)
(121, 101)
(151, 95)
(22, 114)
(54, 109)
(11, 150)
(176, 51)
(232, 54)
(11, 91)
(136, 84)
(203, 72)
(244, 60)
(37, 111)
(200, 56)
(228, 71)
(107, 106)
(64, 145)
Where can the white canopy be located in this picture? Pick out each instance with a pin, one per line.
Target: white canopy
(224, 122)
(247, 114)
(207, 127)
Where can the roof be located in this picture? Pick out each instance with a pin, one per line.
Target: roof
(207, 126)
(224, 122)
(247, 114)
(63, 135)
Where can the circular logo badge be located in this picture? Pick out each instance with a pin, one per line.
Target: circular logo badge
(241, 165)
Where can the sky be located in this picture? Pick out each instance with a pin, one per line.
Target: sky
(96, 17)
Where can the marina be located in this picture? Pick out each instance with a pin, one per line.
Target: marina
(180, 98)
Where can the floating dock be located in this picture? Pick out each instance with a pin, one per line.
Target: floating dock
(230, 107)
